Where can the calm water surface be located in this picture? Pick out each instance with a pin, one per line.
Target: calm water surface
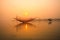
(35, 30)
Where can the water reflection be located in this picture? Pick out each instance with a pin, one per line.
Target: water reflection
(50, 22)
(25, 26)
(31, 31)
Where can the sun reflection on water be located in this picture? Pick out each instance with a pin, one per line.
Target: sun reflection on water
(24, 27)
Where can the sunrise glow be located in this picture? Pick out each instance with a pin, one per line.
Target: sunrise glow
(30, 8)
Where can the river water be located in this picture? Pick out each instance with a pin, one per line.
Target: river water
(35, 30)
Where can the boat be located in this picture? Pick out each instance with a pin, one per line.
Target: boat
(24, 20)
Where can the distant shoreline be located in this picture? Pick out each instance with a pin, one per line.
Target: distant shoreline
(50, 19)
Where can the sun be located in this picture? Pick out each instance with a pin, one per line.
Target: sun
(26, 13)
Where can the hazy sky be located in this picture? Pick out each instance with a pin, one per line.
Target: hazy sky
(34, 8)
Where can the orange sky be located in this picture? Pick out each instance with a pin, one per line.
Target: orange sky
(35, 8)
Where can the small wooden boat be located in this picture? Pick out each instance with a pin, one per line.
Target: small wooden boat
(49, 19)
(24, 20)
